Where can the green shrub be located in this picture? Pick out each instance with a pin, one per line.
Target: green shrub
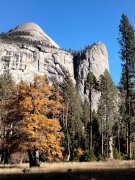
(124, 156)
(88, 156)
(116, 154)
(133, 156)
(101, 157)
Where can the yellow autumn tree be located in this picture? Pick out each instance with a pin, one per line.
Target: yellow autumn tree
(38, 126)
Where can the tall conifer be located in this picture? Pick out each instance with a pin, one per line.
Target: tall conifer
(108, 112)
(72, 118)
(127, 84)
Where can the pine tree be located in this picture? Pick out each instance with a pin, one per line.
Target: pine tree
(72, 118)
(91, 85)
(6, 94)
(86, 122)
(96, 133)
(127, 84)
(108, 112)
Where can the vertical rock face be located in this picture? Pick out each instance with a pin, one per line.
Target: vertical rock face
(24, 63)
(26, 50)
(94, 59)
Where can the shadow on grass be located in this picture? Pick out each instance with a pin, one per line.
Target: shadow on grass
(108, 174)
(7, 167)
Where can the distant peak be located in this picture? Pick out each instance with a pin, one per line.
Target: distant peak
(35, 33)
(28, 26)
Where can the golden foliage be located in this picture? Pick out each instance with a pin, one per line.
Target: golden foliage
(79, 152)
(38, 106)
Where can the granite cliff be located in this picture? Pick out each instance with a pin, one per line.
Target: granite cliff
(27, 50)
(94, 58)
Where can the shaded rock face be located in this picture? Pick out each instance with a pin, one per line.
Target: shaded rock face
(94, 59)
(27, 50)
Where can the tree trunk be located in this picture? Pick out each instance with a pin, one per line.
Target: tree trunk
(107, 144)
(119, 148)
(90, 128)
(33, 158)
(6, 156)
(110, 147)
(129, 142)
(91, 138)
(68, 138)
(127, 138)
(102, 144)
(128, 100)
(102, 139)
(69, 152)
(30, 155)
(36, 157)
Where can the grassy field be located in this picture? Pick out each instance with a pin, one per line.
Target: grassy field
(76, 170)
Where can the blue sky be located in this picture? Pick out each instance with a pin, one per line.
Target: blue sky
(73, 23)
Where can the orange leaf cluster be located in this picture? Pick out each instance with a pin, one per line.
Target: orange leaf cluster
(39, 105)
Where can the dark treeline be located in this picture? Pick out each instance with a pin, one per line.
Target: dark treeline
(52, 122)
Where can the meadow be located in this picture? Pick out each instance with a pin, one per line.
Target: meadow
(116, 169)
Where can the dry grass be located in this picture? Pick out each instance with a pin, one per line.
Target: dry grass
(111, 170)
(66, 166)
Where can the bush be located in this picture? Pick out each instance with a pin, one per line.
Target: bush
(133, 156)
(101, 157)
(116, 154)
(88, 156)
(78, 154)
(124, 156)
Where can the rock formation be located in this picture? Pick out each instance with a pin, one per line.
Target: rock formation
(94, 59)
(27, 50)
